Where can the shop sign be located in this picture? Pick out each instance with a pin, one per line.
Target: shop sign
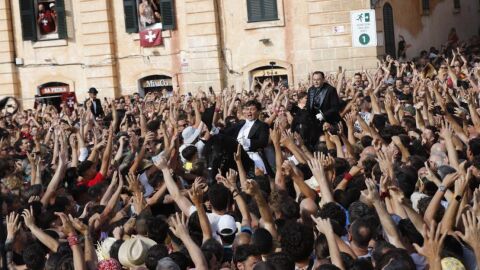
(157, 83)
(53, 90)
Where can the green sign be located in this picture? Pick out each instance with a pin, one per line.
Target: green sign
(364, 39)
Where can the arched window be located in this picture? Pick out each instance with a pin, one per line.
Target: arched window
(389, 29)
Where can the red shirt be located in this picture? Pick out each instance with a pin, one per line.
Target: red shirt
(46, 22)
(92, 182)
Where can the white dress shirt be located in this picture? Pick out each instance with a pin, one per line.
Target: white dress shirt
(243, 139)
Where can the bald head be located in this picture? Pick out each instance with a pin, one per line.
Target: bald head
(438, 148)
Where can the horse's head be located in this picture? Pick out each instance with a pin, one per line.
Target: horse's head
(218, 155)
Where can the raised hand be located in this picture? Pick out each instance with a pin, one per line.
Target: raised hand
(315, 165)
(237, 156)
(371, 193)
(251, 187)
(133, 182)
(67, 226)
(28, 217)
(460, 185)
(472, 230)
(432, 242)
(178, 226)
(79, 225)
(196, 195)
(323, 225)
(161, 163)
(13, 225)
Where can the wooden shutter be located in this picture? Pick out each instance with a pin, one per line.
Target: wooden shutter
(61, 19)
(254, 8)
(270, 12)
(168, 14)
(389, 30)
(131, 16)
(262, 10)
(28, 18)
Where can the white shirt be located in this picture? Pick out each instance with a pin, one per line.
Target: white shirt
(213, 218)
(243, 139)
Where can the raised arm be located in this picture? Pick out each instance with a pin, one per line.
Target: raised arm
(107, 153)
(179, 229)
(44, 238)
(59, 173)
(318, 172)
(371, 195)
(196, 195)
(252, 189)
(324, 226)
(78, 256)
(182, 202)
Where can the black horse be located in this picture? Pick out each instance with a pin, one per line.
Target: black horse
(219, 151)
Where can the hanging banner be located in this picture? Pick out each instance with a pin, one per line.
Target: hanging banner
(151, 38)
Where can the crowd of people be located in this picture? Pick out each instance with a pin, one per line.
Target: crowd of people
(378, 170)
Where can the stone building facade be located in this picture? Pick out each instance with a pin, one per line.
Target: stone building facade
(217, 43)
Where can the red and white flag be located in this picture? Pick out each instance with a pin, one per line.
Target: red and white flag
(151, 38)
(69, 99)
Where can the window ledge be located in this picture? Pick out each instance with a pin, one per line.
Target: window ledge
(165, 34)
(264, 24)
(50, 43)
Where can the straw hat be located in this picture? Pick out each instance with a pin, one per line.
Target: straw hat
(133, 251)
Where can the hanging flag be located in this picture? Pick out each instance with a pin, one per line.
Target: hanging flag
(151, 38)
(69, 99)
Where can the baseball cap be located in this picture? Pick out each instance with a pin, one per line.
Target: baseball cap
(227, 225)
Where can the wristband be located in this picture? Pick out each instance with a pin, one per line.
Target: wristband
(458, 198)
(72, 240)
(348, 177)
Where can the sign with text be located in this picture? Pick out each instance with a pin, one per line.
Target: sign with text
(53, 90)
(157, 83)
(364, 28)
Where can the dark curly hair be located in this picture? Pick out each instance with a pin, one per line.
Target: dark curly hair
(281, 261)
(297, 240)
(34, 257)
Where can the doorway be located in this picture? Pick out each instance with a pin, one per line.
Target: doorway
(389, 30)
(277, 74)
(155, 83)
(51, 93)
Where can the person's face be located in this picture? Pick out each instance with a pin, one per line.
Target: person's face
(318, 80)
(249, 263)
(92, 95)
(181, 125)
(41, 7)
(428, 136)
(398, 83)
(303, 100)
(357, 78)
(406, 90)
(251, 113)
(25, 145)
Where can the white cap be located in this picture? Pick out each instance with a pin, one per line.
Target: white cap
(227, 225)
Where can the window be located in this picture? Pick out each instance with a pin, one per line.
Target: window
(43, 19)
(456, 4)
(147, 14)
(426, 6)
(262, 10)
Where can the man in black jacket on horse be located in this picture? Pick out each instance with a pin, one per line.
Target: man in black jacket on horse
(323, 105)
(252, 134)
